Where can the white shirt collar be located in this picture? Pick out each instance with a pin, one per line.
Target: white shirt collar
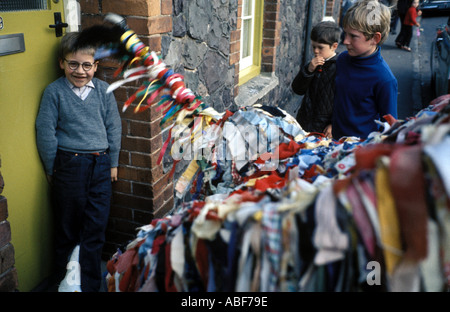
(82, 92)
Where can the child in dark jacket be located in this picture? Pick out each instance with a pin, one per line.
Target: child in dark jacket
(316, 80)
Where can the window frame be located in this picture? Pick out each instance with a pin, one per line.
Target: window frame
(250, 66)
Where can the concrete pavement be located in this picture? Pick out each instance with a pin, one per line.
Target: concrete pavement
(406, 68)
(412, 69)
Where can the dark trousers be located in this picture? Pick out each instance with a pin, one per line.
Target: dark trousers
(82, 195)
(401, 35)
(405, 40)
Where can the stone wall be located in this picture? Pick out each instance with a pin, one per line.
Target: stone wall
(199, 48)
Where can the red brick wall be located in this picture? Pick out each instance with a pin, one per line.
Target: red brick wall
(330, 7)
(271, 35)
(8, 273)
(143, 190)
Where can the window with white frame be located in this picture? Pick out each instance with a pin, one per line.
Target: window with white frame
(251, 39)
(247, 33)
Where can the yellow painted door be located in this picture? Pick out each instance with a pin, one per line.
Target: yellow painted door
(26, 67)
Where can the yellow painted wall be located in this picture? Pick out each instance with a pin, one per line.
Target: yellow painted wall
(23, 77)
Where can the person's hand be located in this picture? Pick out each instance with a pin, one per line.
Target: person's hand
(419, 13)
(327, 132)
(113, 174)
(316, 61)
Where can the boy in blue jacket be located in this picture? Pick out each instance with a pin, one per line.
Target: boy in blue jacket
(366, 89)
(78, 130)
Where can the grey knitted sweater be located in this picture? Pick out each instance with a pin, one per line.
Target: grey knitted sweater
(66, 122)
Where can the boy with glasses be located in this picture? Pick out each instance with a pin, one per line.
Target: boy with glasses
(79, 131)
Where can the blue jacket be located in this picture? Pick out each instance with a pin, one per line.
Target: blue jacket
(366, 90)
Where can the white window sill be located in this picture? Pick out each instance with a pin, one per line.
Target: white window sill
(255, 89)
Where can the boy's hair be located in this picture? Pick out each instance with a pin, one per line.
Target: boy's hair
(369, 17)
(326, 32)
(69, 44)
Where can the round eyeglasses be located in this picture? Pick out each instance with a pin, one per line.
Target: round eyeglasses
(73, 65)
